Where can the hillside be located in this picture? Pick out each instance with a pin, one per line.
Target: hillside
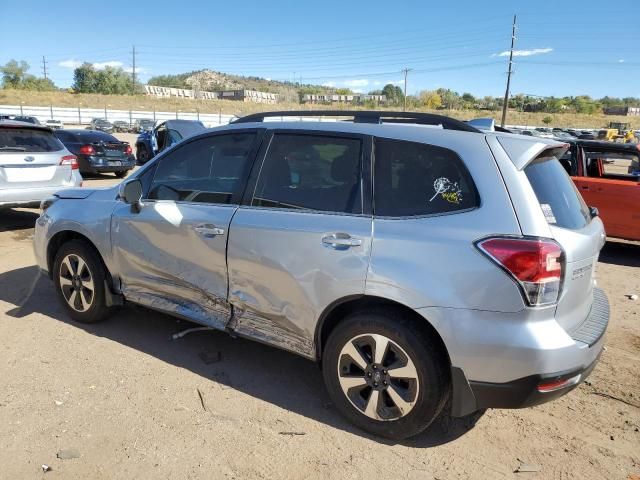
(145, 103)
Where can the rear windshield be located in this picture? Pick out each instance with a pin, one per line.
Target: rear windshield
(559, 199)
(28, 140)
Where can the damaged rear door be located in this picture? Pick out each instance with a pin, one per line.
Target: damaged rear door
(171, 254)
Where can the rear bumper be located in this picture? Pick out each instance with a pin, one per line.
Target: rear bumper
(99, 165)
(31, 197)
(500, 360)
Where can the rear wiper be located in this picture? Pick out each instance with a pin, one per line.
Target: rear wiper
(13, 149)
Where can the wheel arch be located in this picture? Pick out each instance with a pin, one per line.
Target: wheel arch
(64, 236)
(341, 308)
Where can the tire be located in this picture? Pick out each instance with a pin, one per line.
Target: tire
(407, 404)
(121, 174)
(77, 268)
(142, 155)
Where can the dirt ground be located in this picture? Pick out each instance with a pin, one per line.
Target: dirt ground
(129, 402)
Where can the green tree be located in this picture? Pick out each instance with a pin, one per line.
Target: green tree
(86, 79)
(394, 94)
(14, 73)
(547, 120)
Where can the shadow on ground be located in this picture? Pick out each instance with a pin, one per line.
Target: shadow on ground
(20, 219)
(272, 375)
(620, 252)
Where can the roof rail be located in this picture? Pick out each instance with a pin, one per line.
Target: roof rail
(368, 116)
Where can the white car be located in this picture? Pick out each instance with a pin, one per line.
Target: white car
(54, 124)
(34, 165)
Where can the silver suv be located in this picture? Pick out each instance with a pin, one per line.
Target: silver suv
(33, 165)
(420, 260)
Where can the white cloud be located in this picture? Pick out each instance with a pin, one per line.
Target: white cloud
(138, 70)
(70, 63)
(524, 53)
(329, 84)
(359, 82)
(621, 60)
(111, 63)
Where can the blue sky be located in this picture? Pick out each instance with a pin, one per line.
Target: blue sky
(563, 48)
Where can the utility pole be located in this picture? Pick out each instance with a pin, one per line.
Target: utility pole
(133, 72)
(506, 93)
(44, 67)
(405, 71)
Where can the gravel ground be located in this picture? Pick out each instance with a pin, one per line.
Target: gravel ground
(128, 402)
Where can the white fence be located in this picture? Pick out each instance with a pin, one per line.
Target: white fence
(83, 116)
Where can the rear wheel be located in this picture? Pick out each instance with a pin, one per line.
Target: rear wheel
(385, 374)
(142, 154)
(79, 276)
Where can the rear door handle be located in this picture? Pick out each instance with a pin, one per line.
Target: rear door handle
(208, 230)
(340, 241)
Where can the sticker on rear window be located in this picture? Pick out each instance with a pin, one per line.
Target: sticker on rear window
(548, 213)
(448, 190)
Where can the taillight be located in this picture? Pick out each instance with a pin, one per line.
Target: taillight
(535, 264)
(87, 150)
(127, 150)
(70, 160)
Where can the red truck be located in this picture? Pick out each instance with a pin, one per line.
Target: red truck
(608, 177)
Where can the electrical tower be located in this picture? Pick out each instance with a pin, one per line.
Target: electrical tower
(506, 93)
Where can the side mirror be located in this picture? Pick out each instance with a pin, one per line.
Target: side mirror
(593, 211)
(131, 193)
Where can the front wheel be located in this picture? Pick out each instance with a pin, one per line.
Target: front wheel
(384, 374)
(79, 276)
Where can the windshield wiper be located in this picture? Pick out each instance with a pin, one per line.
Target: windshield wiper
(13, 149)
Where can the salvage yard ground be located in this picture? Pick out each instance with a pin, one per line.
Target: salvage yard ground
(129, 402)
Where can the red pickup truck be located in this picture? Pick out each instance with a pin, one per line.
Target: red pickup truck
(608, 177)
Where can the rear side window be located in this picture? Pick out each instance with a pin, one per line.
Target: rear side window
(64, 136)
(559, 199)
(311, 172)
(413, 179)
(28, 140)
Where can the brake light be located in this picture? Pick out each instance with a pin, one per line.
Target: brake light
(70, 160)
(127, 150)
(535, 264)
(87, 150)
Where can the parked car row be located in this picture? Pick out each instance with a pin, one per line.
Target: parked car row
(419, 266)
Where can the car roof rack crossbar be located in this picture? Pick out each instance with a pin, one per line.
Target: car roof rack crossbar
(368, 116)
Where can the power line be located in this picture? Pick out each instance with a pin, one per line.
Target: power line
(506, 93)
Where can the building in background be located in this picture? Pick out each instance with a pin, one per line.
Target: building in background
(236, 95)
(627, 111)
(334, 98)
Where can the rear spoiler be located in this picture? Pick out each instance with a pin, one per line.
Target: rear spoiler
(523, 150)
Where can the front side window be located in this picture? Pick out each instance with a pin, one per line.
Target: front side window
(413, 179)
(208, 170)
(311, 172)
(612, 164)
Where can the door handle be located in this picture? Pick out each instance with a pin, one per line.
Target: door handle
(208, 230)
(340, 241)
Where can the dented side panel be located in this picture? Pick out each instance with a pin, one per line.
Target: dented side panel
(282, 276)
(169, 262)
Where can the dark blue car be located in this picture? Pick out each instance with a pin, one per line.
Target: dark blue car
(165, 135)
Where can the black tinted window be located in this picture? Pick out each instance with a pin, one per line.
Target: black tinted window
(311, 172)
(28, 140)
(418, 179)
(559, 199)
(64, 136)
(209, 170)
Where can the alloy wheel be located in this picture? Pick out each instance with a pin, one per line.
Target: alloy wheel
(76, 283)
(378, 377)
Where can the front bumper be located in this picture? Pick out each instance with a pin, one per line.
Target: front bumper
(501, 360)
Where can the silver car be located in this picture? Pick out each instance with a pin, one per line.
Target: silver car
(420, 266)
(33, 165)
